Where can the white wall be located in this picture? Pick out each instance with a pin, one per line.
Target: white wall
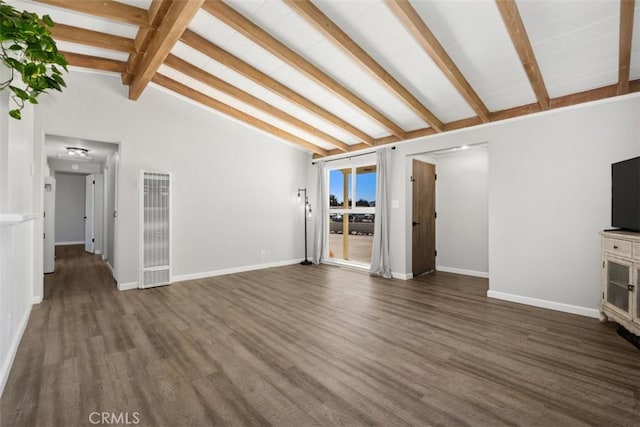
(462, 193)
(234, 191)
(16, 241)
(70, 195)
(549, 196)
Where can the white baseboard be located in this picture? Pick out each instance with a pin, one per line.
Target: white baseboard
(97, 252)
(127, 286)
(13, 349)
(402, 276)
(36, 300)
(463, 271)
(113, 273)
(194, 276)
(69, 243)
(551, 305)
(104, 257)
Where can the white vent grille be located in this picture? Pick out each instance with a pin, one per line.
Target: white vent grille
(156, 227)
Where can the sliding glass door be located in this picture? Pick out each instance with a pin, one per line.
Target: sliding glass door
(351, 224)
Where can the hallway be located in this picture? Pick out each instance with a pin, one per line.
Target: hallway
(77, 272)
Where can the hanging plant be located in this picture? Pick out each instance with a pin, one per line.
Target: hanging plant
(27, 48)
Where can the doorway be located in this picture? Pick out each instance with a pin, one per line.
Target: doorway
(423, 225)
(84, 176)
(449, 210)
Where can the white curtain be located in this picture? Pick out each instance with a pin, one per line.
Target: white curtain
(321, 213)
(380, 263)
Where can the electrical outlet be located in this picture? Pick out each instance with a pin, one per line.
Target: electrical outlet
(263, 253)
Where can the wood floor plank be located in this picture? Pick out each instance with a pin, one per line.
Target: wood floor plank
(306, 346)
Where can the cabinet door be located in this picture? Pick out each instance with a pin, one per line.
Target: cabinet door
(618, 290)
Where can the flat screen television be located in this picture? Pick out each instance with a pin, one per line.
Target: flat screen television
(625, 194)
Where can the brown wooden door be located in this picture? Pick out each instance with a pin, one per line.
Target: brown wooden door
(424, 217)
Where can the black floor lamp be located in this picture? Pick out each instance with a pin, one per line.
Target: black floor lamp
(307, 212)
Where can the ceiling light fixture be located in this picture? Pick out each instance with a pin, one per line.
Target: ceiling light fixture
(77, 151)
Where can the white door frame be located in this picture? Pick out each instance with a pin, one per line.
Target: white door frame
(40, 161)
(89, 213)
(49, 213)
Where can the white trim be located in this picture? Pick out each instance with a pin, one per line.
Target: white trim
(350, 265)
(463, 271)
(36, 299)
(113, 273)
(551, 305)
(12, 219)
(69, 243)
(98, 252)
(127, 286)
(363, 268)
(13, 349)
(204, 274)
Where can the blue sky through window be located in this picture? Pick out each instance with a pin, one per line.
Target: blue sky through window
(365, 185)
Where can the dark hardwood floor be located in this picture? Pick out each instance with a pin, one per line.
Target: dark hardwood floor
(317, 345)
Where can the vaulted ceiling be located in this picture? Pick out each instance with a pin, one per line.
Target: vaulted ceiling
(338, 76)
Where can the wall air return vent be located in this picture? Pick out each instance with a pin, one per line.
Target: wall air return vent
(155, 229)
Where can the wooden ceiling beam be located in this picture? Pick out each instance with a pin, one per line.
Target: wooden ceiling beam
(109, 9)
(193, 94)
(224, 87)
(313, 15)
(428, 41)
(157, 12)
(94, 62)
(244, 26)
(523, 110)
(627, 10)
(223, 57)
(518, 33)
(72, 34)
(173, 25)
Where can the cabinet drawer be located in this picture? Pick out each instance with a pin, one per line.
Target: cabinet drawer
(618, 247)
(636, 251)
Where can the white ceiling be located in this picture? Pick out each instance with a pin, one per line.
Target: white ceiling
(575, 43)
(56, 148)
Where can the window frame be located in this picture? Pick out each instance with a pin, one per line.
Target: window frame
(353, 209)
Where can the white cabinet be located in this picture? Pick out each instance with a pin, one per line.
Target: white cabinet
(620, 299)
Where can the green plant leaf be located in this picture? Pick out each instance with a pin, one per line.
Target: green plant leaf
(30, 52)
(59, 79)
(20, 93)
(47, 20)
(14, 63)
(31, 69)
